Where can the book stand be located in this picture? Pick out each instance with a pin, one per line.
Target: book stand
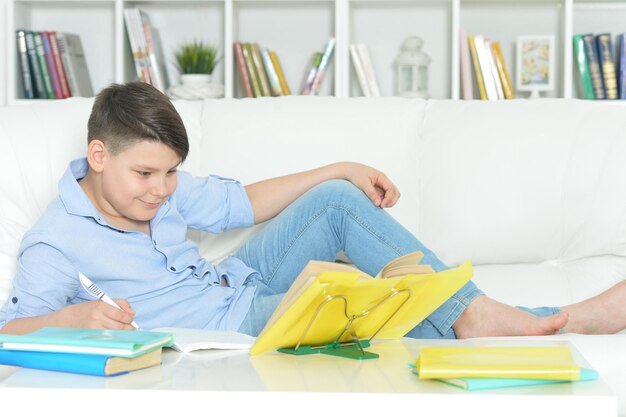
(351, 350)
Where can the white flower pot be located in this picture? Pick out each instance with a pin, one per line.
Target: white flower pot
(195, 79)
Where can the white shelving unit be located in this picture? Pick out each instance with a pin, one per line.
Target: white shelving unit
(296, 29)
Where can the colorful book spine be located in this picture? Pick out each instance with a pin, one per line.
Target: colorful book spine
(503, 73)
(324, 63)
(58, 65)
(494, 69)
(54, 76)
(360, 72)
(479, 76)
(467, 87)
(279, 71)
(593, 61)
(272, 75)
(622, 66)
(258, 64)
(41, 56)
(315, 62)
(583, 68)
(27, 80)
(254, 78)
(607, 66)
(244, 77)
(37, 76)
(157, 73)
(134, 46)
(485, 67)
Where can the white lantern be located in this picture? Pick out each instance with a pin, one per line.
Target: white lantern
(412, 69)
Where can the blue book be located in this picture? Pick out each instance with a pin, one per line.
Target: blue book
(99, 365)
(621, 74)
(125, 343)
(607, 66)
(593, 60)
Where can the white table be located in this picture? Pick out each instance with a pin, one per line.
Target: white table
(208, 382)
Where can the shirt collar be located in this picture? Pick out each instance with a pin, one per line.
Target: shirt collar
(72, 195)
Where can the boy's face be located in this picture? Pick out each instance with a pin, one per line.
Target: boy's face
(138, 180)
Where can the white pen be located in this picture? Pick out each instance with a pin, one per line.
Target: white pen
(93, 289)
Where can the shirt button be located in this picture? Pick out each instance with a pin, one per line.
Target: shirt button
(172, 269)
(14, 300)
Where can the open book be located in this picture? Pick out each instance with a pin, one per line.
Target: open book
(330, 302)
(188, 340)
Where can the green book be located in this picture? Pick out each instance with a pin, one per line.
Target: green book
(43, 65)
(583, 67)
(254, 76)
(123, 343)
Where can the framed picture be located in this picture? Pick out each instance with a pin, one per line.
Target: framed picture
(535, 63)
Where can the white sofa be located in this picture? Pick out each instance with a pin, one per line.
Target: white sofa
(532, 192)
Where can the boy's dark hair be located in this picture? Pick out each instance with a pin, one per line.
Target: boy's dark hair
(124, 114)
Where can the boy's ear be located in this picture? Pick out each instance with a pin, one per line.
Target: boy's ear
(96, 155)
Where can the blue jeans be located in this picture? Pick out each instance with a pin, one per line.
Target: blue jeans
(331, 217)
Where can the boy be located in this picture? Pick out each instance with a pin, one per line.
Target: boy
(122, 215)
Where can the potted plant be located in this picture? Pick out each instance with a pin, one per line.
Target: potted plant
(196, 61)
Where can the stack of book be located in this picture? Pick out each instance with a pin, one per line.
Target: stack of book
(317, 69)
(600, 76)
(84, 351)
(364, 70)
(501, 366)
(259, 70)
(491, 74)
(145, 46)
(52, 65)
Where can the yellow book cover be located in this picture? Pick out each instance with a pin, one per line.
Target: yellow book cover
(524, 362)
(507, 87)
(254, 77)
(477, 70)
(332, 302)
(279, 72)
(260, 69)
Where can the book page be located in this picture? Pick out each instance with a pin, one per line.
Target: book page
(188, 340)
(404, 265)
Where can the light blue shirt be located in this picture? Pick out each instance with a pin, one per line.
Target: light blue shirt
(162, 276)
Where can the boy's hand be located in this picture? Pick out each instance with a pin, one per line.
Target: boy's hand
(373, 183)
(96, 315)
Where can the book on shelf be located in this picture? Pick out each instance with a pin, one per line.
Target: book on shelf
(593, 62)
(35, 69)
(467, 86)
(54, 76)
(323, 66)
(476, 64)
(80, 363)
(621, 64)
(331, 303)
(58, 64)
(485, 68)
(607, 66)
(360, 72)
(494, 69)
(279, 71)
(272, 75)
(75, 64)
(189, 340)
(503, 72)
(582, 65)
(310, 74)
(368, 68)
(254, 77)
(260, 69)
(154, 51)
(26, 79)
(123, 343)
(43, 65)
(242, 69)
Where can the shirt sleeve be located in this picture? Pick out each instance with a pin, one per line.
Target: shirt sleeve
(213, 204)
(45, 281)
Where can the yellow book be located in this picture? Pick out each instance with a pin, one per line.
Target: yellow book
(477, 71)
(254, 77)
(331, 302)
(523, 362)
(279, 72)
(507, 87)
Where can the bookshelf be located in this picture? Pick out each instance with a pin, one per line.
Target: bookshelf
(295, 29)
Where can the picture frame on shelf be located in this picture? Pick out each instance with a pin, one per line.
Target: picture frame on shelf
(535, 64)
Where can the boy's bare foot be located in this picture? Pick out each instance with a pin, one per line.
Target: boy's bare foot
(487, 317)
(602, 314)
